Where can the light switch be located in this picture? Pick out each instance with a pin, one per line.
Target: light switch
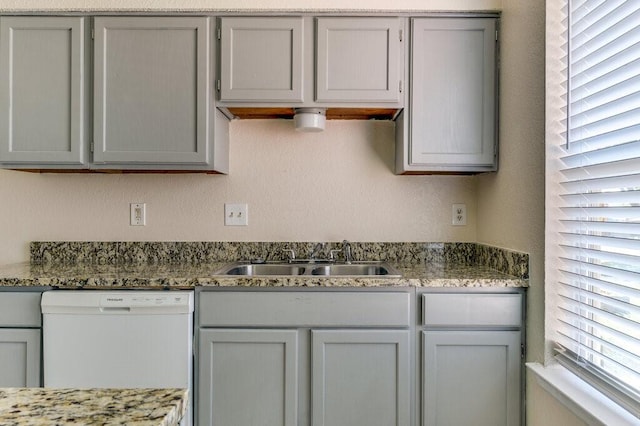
(236, 214)
(137, 212)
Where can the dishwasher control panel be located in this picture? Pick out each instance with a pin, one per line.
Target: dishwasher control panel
(115, 302)
(140, 300)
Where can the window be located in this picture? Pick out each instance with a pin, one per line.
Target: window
(594, 231)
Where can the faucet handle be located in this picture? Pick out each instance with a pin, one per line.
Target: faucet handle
(292, 254)
(332, 254)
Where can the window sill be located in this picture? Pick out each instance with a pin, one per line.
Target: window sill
(582, 399)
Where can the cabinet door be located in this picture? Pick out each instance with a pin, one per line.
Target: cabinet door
(42, 91)
(471, 378)
(19, 358)
(358, 59)
(151, 90)
(248, 377)
(360, 377)
(20, 309)
(452, 110)
(261, 59)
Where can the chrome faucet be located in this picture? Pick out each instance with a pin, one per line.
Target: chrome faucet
(332, 254)
(346, 248)
(316, 250)
(292, 254)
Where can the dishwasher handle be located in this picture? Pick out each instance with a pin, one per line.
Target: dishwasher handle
(115, 309)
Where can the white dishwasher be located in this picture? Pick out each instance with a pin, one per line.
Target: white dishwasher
(118, 339)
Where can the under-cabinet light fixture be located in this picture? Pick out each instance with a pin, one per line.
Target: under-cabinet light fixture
(310, 119)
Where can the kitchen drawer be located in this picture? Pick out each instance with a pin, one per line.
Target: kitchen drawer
(303, 309)
(472, 310)
(20, 309)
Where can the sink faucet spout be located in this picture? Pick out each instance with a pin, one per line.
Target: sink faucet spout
(316, 250)
(346, 248)
(292, 254)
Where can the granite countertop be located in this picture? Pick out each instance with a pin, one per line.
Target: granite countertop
(48, 406)
(192, 275)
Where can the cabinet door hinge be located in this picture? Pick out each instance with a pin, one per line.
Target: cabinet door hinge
(522, 350)
(91, 147)
(496, 35)
(400, 86)
(93, 33)
(219, 33)
(400, 34)
(218, 85)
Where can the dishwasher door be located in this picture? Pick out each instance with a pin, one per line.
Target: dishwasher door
(118, 339)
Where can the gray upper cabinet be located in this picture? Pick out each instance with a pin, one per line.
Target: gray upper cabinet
(151, 91)
(153, 103)
(450, 123)
(307, 61)
(43, 92)
(358, 59)
(261, 59)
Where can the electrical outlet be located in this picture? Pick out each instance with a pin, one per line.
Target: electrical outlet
(138, 214)
(459, 215)
(236, 215)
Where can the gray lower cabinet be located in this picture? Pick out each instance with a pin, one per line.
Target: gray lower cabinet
(43, 92)
(449, 124)
(300, 358)
(20, 337)
(471, 345)
(471, 378)
(19, 357)
(360, 377)
(248, 377)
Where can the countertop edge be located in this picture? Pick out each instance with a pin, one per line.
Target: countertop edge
(183, 276)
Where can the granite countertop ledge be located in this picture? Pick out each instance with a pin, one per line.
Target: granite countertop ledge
(184, 264)
(48, 406)
(182, 276)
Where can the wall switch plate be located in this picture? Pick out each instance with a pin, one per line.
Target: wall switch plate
(236, 215)
(138, 214)
(459, 215)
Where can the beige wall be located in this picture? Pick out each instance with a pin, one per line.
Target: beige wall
(329, 186)
(511, 203)
(545, 410)
(300, 187)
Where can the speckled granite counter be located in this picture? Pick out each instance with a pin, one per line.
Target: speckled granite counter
(189, 276)
(192, 264)
(45, 406)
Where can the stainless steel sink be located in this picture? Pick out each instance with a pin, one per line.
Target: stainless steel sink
(249, 269)
(356, 269)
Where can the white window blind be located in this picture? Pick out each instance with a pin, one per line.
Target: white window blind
(599, 238)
